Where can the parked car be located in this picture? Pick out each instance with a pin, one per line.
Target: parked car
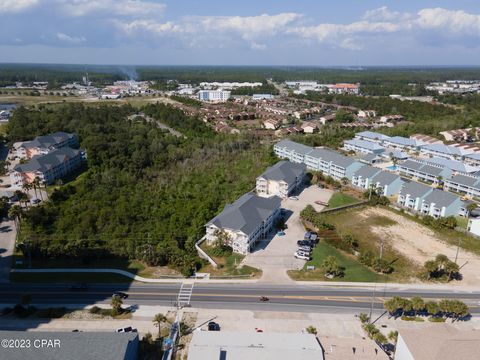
(307, 235)
(314, 238)
(306, 249)
(126, 329)
(36, 201)
(293, 198)
(303, 243)
(302, 256)
(79, 287)
(281, 233)
(120, 294)
(213, 326)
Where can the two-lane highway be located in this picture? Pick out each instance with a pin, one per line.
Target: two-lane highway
(228, 296)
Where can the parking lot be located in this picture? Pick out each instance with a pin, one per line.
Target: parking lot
(274, 255)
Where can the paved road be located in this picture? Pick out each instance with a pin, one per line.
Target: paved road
(7, 244)
(235, 296)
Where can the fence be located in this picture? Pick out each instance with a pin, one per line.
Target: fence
(203, 254)
(326, 211)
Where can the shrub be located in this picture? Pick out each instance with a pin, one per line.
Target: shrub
(437, 319)
(311, 330)
(95, 310)
(366, 258)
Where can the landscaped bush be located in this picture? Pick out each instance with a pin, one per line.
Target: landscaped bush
(51, 313)
(410, 308)
(442, 268)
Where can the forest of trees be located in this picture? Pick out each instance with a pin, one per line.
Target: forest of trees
(146, 194)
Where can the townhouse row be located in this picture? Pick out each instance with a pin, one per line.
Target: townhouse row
(438, 203)
(422, 145)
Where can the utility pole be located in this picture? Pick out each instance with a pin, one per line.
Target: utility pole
(458, 249)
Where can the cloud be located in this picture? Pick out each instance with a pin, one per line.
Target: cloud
(200, 30)
(454, 21)
(70, 39)
(385, 14)
(128, 8)
(15, 6)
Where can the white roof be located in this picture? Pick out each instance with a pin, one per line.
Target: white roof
(254, 346)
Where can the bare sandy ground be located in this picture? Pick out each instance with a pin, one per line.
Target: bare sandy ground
(420, 244)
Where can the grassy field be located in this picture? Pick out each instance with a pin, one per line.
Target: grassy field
(354, 222)
(68, 278)
(354, 271)
(341, 199)
(228, 265)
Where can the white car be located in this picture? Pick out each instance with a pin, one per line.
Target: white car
(293, 197)
(301, 255)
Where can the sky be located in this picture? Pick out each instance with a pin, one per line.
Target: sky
(245, 32)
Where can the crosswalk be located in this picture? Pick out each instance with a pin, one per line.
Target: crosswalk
(184, 295)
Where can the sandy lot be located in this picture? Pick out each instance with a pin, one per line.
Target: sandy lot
(420, 244)
(275, 254)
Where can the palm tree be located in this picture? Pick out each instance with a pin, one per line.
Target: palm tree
(36, 184)
(158, 320)
(116, 304)
(417, 304)
(15, 212)
(432, 308)
(330, 266)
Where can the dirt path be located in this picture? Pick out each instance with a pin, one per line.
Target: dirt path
(420, 244)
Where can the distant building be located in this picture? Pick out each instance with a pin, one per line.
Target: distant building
(263, 97)
(47, 168)
(437, 342)
(425, 139)
(364, 114)
(309, 127)
(391, 118)
(327, 118)
(271, 124)
(213, 95)
(430, 173)
(55, 345)
(280, 179)
(223, 345)
(474, 226)
(246, 221)
(372, 137)
(45, 144)
(292, 151)
(332, 163)
(344, 89)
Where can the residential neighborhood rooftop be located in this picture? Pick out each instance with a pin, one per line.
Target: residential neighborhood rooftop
(284, 170)
(441, 198)
(246, 213)
(415, 189)
(48, 141)
(45, 162)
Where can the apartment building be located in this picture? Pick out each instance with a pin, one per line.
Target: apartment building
(457, 167)
(440, 203)
(45, 144)
(411, 195)
(281, 179)
(474, 226)
(291, 150)
(401, 143)
(332, 163)
(372, 137)
(362, 177)
(47, 168)
(363, 146)
(387, 184)
(214, 95)
(444, 151)
(472, 159)
(425, 139)
(246, 221)
(463, 184)
(423, 172)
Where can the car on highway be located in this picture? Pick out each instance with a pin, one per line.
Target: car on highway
(126, 329)
(301, 255)
(79, 287)
(120, 294)
(213, 326)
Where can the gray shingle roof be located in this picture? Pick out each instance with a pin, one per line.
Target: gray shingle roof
(48, 141)
(399, 140)
(247, 213)
(73, 345)
(410, 164)
(364, 144)
(431, 170)
(367, 171)
(332, 156)
(372, 135)
(445, 149)
(45, 162)
(385, 178)
(415, 189)
(465, 180)
(441, 198)
(284, 170)
(291, 145)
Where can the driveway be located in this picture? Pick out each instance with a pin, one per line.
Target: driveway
(7, 245)
(274, 255)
